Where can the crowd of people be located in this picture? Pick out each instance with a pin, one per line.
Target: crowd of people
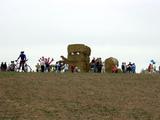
(128, 68)
(3, 66)
(96, 65)
(99, 67)
(10, 67)
(44, 65)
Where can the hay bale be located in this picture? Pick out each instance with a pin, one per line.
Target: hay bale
(78, 55)
(109, 63)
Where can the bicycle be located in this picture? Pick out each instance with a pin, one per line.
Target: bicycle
(27, 68)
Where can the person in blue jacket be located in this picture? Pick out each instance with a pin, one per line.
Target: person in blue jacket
(23, 59)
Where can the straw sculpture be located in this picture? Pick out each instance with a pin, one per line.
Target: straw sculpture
(109, 63)
(78, 55)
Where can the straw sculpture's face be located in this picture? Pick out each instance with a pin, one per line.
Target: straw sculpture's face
(77, 56)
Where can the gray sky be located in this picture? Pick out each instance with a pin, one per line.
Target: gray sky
(125, 29)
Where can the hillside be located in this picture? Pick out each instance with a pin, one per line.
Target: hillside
(84, 96)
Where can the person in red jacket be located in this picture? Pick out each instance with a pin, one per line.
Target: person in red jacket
(114, 69)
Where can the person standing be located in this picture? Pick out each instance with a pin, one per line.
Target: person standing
(38, 67)
(133, 67)
(150, 68)
(123, 67)
(5, 66)
(23, 59)
(12, 66)
(2, 66)
(42, 63)
(129, 67)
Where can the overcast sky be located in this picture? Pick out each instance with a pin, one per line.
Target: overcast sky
(125, 29)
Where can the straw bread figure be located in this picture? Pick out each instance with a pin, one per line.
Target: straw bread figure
(79, 56)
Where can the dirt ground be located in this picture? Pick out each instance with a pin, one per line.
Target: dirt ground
(80, 96)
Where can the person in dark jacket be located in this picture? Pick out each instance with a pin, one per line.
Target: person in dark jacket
(23, 59)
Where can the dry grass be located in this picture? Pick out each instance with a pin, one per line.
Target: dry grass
(85, 96)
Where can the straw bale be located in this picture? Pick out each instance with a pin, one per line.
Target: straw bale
(78, 55)
(109, 63)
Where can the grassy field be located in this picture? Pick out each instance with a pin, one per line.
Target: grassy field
(84, 96)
